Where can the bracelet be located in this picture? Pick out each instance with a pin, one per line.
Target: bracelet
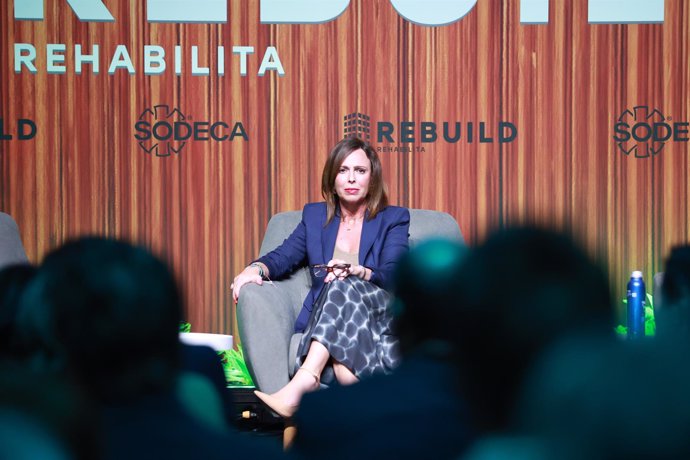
(261, 270)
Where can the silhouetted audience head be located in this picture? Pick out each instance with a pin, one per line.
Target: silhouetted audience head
(523, 289)
(13, 280)
(108, 313)
(44, 417)
(610, 400)
(673, 318)
(426, 293)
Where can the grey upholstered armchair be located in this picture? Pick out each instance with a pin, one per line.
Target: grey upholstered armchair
(266, 314)
(11, 247)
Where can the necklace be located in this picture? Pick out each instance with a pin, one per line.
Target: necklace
(350, 222)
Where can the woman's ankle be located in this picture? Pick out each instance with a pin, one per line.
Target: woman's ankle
(313, 377)
(308, 380)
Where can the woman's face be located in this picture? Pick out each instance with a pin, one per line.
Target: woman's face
(352, 181)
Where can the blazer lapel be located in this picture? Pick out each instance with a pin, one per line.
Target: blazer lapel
(370, 230)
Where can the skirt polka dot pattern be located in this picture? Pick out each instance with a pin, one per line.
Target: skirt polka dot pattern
(352, 319)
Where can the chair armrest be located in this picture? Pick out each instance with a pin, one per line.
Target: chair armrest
(266, 319)
(11, 247)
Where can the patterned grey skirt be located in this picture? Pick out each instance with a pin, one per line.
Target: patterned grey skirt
(352, 319)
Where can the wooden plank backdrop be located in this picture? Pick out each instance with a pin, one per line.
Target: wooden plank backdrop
(205, 210)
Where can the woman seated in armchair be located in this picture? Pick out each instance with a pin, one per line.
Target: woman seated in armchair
(352, 242)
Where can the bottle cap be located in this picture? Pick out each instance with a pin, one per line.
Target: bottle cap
(636, 274)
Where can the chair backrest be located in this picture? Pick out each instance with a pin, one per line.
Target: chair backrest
(424, 224)
(11, 247)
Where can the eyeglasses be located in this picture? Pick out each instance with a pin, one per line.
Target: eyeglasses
(338, 270)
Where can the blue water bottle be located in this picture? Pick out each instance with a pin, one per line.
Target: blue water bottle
(636, 302)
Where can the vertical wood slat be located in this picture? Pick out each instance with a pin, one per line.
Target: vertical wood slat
(562, 84)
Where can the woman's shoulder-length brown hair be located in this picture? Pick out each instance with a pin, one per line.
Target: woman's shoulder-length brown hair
(377, 197)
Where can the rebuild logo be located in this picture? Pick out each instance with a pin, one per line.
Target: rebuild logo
(426, 132)
(644, 133)
(357, 124)
(24, 130)
(162, 131)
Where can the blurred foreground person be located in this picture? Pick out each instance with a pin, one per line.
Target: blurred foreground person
(607, 400)
(415, 412)
(13, 280)
(522, 290)
(108, 314)
(672, 308)
(44, 417)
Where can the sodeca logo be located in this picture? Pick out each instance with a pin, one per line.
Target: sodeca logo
(163, 132)
(643, 132)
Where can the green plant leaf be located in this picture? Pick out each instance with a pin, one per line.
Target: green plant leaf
(235, 368)
(649, 321)
(185, 326)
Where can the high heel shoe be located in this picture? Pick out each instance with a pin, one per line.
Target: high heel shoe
(278, 406)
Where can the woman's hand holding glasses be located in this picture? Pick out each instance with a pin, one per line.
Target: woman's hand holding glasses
(334, 269)
(338, 269)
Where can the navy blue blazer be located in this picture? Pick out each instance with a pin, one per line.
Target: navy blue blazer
(384, 239)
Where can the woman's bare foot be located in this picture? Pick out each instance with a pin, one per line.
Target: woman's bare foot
(286, 400)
